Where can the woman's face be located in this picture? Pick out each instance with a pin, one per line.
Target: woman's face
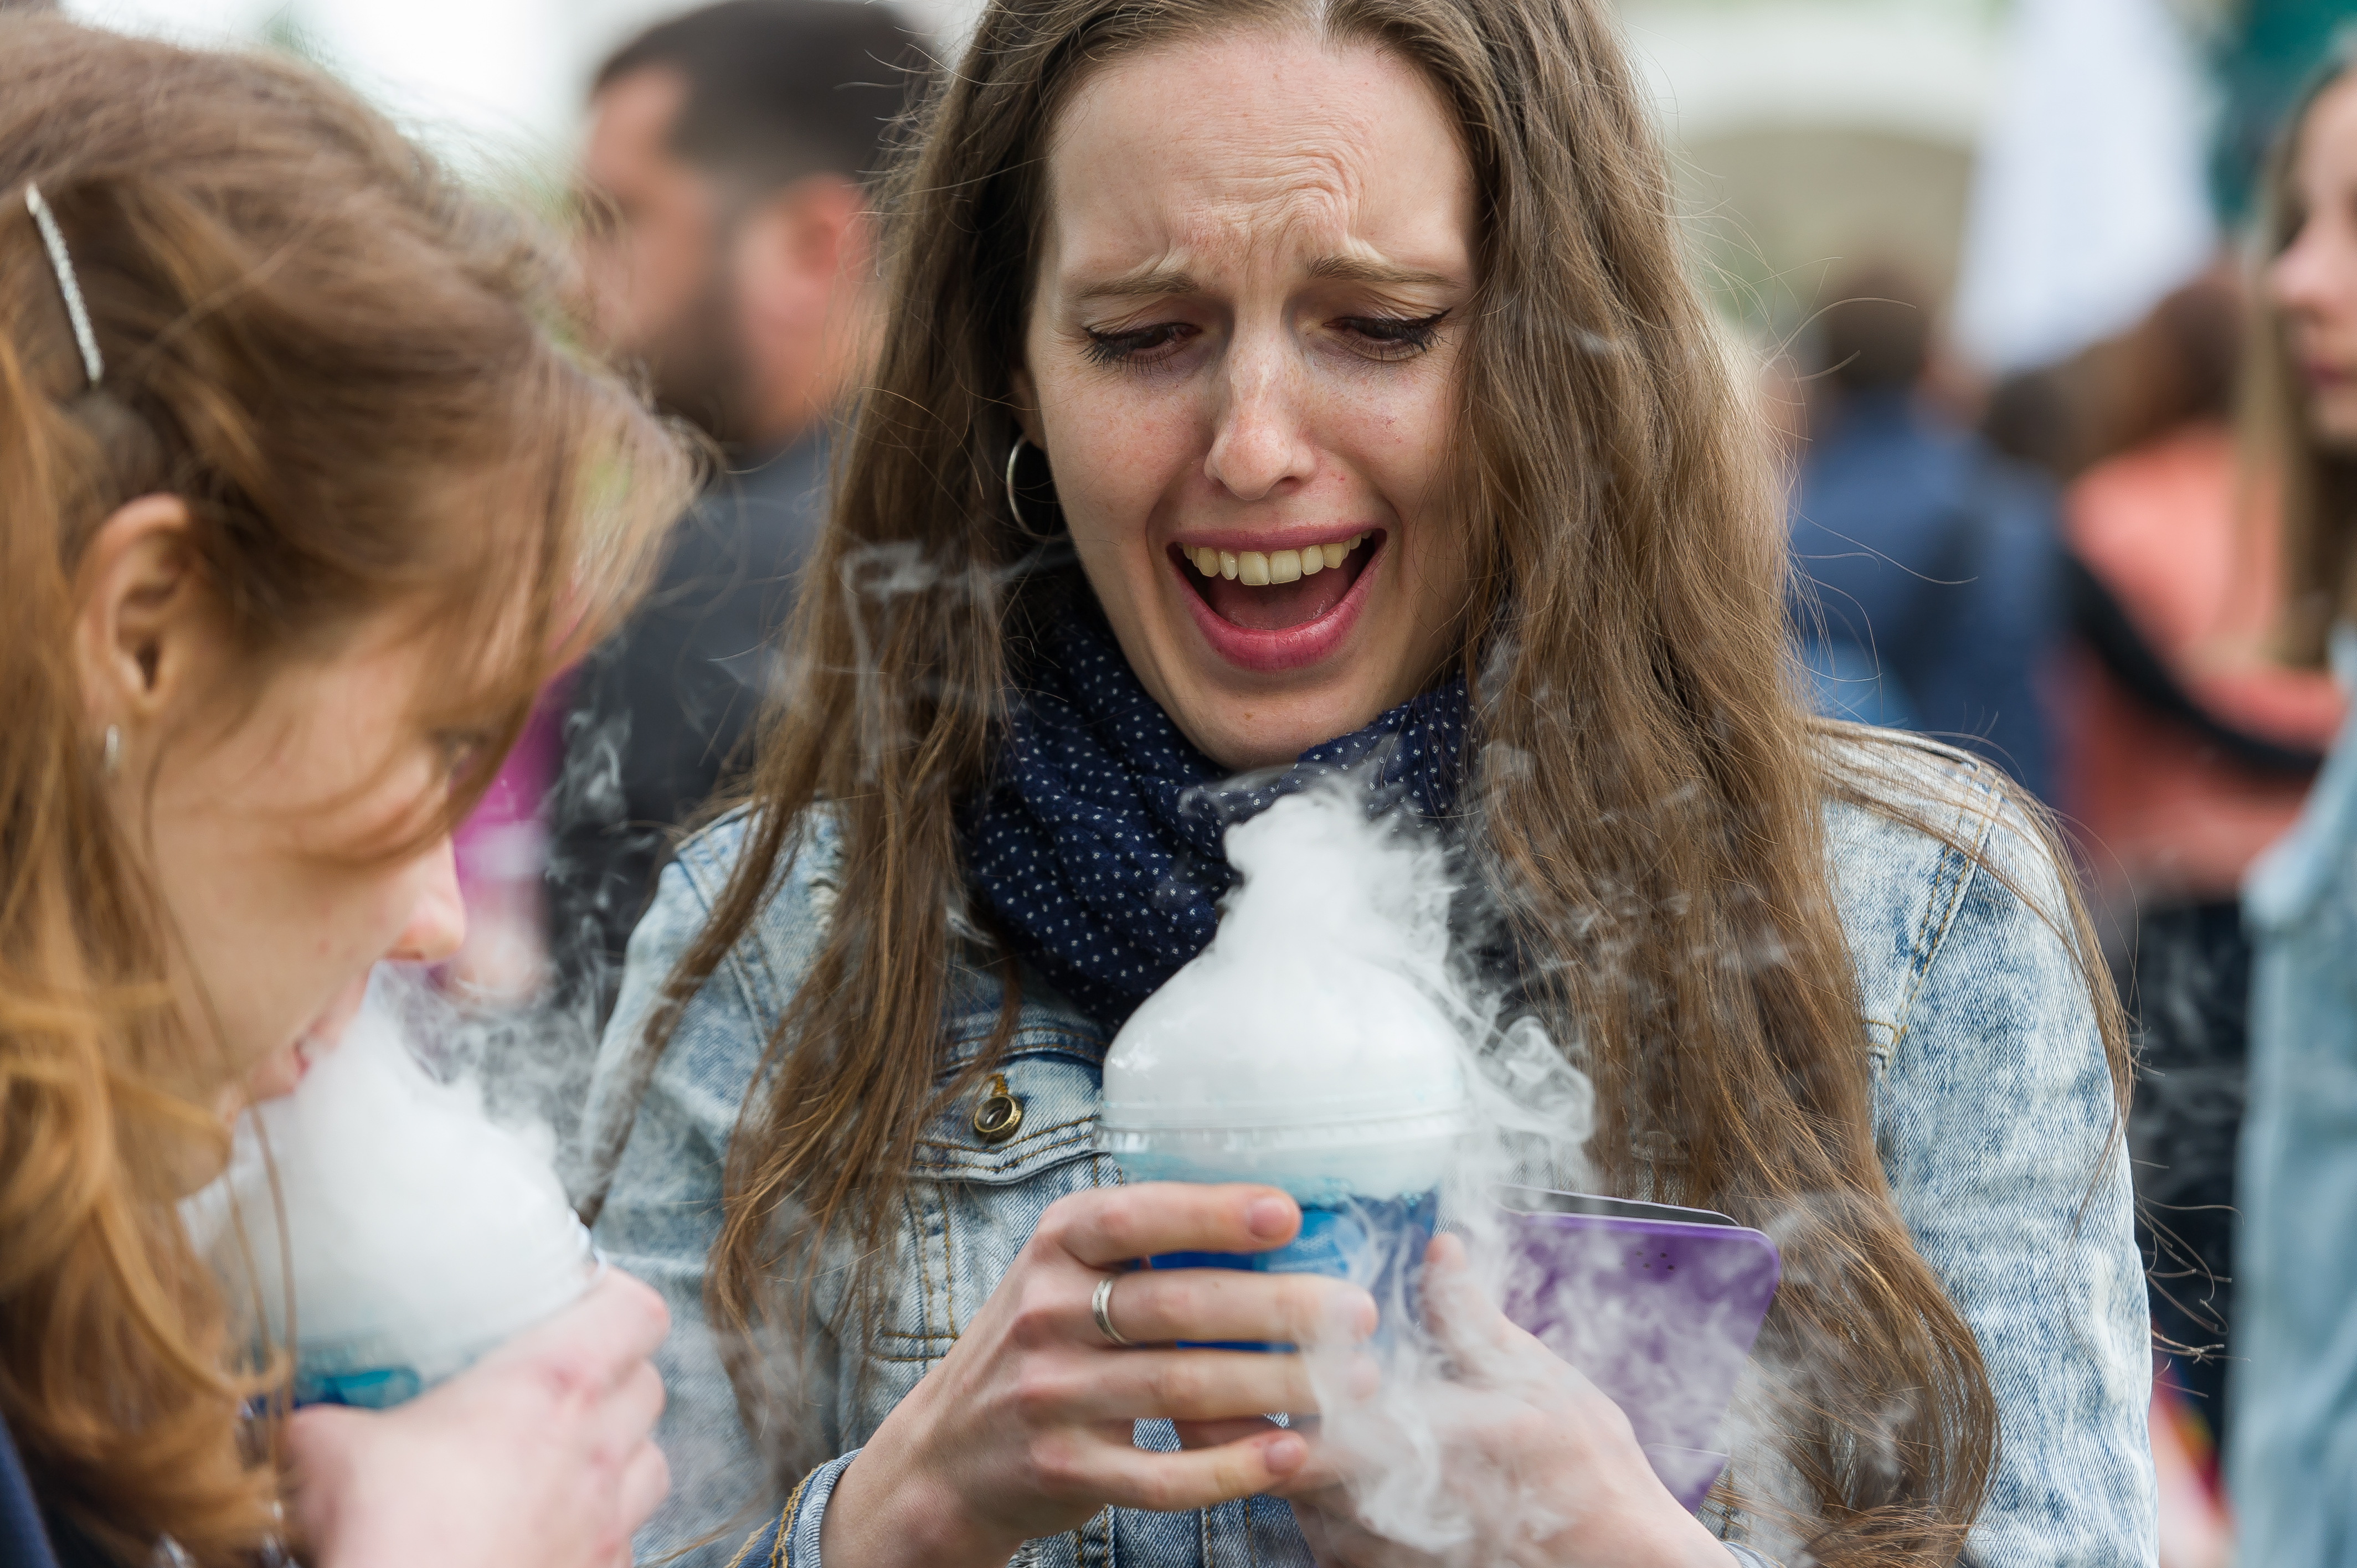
(2314, 281)
(259, 838)
(1241, 360)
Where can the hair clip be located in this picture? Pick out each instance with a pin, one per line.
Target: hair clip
(61, 264)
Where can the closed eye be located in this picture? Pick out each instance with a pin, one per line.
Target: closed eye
(1137, 344)
(1394, 337)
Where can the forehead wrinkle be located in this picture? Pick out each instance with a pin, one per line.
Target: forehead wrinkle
(1222, 238)
(1287, 188)
(1351, 259)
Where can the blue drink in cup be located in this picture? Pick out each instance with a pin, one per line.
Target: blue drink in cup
(418, 1235)
(1308, 1048)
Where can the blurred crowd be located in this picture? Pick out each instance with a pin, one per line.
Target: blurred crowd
(2090, 573)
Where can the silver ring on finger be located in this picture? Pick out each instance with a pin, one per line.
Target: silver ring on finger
(1101, 1308)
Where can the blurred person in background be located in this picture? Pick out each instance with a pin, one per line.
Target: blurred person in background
(1931, 596)
(2293, 1444)
(729, 250)
(2187, 749)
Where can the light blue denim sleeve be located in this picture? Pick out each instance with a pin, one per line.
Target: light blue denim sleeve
(661, 1125)
(1995, 1123)
(2292, 1441)
(791, 1539)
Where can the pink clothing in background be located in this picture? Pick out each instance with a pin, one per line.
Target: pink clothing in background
(501, 850)
(2169, 817)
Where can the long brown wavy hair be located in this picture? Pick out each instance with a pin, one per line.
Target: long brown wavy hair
(1624, 643)
(346, 367)
(2317, 482)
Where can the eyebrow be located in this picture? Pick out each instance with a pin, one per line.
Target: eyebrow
(1355, 269)
(1163, 282)
(1152, 284)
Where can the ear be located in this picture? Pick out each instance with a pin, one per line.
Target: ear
(143, 620)
(794, 247)
(1025, 403)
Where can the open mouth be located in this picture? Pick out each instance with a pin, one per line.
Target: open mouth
(1278, 590)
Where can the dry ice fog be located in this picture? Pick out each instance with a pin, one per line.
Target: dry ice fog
(1333, 1040)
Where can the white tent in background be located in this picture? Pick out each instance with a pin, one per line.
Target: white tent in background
(2088, 201)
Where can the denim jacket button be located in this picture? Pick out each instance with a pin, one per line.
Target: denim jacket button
(999, 1115)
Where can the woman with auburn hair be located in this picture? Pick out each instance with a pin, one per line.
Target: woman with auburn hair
(301, 499)
(2294, 1386)
(1186, 294)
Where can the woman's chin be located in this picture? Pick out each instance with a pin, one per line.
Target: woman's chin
(282, 1069)
(276, 1074)
(1246, 731)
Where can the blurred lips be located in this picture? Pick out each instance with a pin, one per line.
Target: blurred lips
(283, 1069)
(2324, 375)
(1271, 629)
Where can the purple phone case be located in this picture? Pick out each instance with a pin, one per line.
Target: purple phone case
(1657, 1305)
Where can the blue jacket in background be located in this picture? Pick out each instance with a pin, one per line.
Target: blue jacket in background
(23, 1541)
(2291, 1451)
(1933, 565)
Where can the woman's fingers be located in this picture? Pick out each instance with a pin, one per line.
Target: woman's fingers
(1211, 1433)
(1157, 1307)
(1319, 1478)
(1487, 1348)
(1128, 1477)
(1321, 1475)
(1337, 1540)
(627, 1415)
(1105, 1229)
(646, 1480)
(1454, 1307)
(601, 1339)
(1178, 1385)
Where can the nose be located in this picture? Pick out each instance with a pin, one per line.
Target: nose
(2315, 273)
(1260, 441)
(437, 920)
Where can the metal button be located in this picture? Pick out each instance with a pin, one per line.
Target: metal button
(999, 1115)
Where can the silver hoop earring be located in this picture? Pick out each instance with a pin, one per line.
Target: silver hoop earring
(110, 753)
(1012, 506)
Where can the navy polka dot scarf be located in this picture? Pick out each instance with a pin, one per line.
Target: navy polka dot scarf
(1097, 843)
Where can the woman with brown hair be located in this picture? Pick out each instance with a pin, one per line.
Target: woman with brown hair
(2293, 1440)
(1270, 386)
(301, 499)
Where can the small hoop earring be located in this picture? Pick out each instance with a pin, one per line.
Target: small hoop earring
(110, 753)
(1012, 506)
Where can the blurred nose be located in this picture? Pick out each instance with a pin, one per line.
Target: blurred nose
(2313, 273)
(437, 920)
(1259, 441)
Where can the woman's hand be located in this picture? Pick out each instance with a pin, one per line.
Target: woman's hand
(1024, 1429)
(537, 1457)
(1535, 1462)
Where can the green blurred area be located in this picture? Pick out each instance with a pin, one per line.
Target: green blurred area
(2264, 56)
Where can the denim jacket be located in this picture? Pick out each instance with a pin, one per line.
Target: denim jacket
(1993, 1115)
(2292, 1444)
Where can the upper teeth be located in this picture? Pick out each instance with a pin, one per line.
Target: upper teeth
(1255, 569)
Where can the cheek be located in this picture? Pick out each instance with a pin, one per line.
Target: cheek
(2333, 415)
(1116, 456)
(1404, 443)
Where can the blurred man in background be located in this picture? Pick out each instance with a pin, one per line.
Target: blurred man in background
(728, 249)
(1932, 560)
